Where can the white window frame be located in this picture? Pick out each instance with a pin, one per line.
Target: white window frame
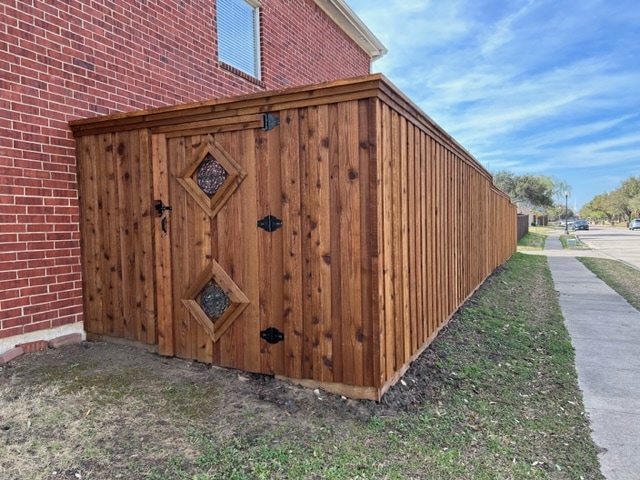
(231, 53)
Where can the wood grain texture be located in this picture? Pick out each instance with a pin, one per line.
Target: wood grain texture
(388, 226)
(292, 241)
(162, 249)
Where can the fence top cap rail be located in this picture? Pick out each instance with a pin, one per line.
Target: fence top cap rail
(261, 102)
(367, 86)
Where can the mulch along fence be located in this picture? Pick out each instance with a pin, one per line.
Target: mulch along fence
(322, 233)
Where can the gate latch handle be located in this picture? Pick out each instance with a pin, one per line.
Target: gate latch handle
(161, 207)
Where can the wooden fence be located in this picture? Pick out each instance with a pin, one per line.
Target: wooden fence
(523, 225)
(346, 229)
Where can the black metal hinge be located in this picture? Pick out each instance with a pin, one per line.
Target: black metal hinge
(272, 335)
(269, 121)
(270, 223)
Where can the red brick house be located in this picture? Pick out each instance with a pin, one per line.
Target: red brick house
(66, 60)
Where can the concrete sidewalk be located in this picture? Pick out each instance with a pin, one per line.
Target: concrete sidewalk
(605, 333)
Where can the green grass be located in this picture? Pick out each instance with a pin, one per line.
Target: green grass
(534, 239)
(619, 276)
(506, 405)
(572, 241)
(501, 401)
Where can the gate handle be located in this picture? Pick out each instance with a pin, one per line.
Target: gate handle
(161, 207)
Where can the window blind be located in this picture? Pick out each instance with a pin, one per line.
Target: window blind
(238, 35)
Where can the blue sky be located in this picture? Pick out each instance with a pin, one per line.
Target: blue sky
(531, 86)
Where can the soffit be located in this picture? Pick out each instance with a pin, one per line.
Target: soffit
(346, 19)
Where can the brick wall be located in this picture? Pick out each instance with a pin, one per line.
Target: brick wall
(63, 60)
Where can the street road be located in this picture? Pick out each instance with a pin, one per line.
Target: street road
(617, 242)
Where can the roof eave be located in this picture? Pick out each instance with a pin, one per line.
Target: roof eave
(346, 19)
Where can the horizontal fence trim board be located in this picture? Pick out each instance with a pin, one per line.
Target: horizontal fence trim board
(282, 104)
(500, 192)
(351, 391)
(112, 123)
(433, 129)
(195, 128)
(275, 100)
(97, 337)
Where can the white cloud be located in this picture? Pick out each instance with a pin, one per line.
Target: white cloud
(571, 133)
(533, 86)
(501, 32)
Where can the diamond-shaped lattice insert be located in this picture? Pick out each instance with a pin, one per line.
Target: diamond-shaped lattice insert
(214, 300)
(211, 176)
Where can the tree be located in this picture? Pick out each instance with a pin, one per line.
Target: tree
(535, 191)
(505, 181)
(626, 195)
(623, 201)
(560, 212)
(560, 189)
(599, 207)
(530, 191)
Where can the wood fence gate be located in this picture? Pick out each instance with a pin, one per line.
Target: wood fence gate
(217, 263)
(323, 233)
(174, 218)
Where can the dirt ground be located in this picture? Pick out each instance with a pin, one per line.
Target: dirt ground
(107, 400)
(108, 358)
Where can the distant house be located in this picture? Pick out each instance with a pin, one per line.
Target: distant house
(535, 217)
(61, 61)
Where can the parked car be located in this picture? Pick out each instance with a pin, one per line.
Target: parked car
(581, 225)
(634, 224)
